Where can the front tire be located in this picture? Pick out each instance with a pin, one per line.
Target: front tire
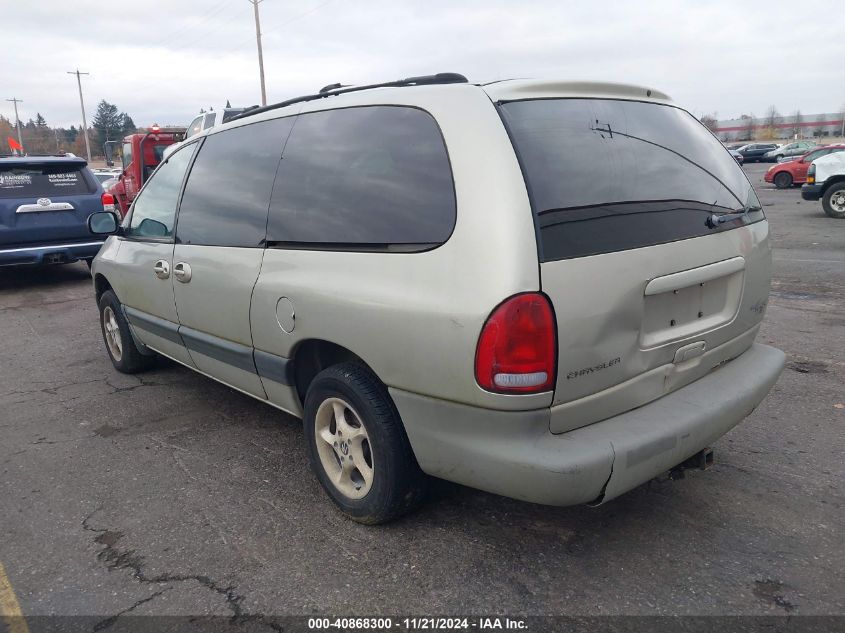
(783, 180)
(120, 346)
(358, 447)
(833, 201)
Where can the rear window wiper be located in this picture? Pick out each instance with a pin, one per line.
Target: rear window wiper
(716, 219)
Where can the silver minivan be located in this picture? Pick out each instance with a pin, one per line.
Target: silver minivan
(545, 290)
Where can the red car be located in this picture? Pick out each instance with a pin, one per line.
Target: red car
(794, 172)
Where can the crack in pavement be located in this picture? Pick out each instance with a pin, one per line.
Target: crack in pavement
(116, 558)
(107, 622)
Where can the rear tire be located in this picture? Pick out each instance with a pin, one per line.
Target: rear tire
(358, 447)
(833, 201)
(120, 345)
(783, 180)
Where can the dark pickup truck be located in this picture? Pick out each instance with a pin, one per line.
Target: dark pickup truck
(45, 202)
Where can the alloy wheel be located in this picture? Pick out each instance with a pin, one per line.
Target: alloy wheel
(112, 334)
(344, 448)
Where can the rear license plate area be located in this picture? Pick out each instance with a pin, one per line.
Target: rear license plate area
(675, 313)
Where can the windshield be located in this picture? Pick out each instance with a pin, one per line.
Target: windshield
(607, 175)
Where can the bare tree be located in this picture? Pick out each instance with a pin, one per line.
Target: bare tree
(796, 123)
(710, 121)
(842, 116)
(748, 129)
(772, 116)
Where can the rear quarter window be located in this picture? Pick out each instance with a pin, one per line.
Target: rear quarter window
(364, 178)
(33, 180)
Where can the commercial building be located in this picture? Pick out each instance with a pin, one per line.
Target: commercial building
(782, 127)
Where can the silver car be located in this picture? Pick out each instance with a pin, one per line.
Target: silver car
(789, 151)
(545, 290)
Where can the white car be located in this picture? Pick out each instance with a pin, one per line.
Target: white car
(102, 175)
(205, 121)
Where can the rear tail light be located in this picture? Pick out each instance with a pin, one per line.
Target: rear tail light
(517, 347)
(108, 202)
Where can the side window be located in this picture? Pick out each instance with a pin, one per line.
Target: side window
(365, 178)
(127, 155)
(228, 190)
(154, 211)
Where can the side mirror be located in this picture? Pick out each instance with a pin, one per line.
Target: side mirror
(152, 228)
(103, 223)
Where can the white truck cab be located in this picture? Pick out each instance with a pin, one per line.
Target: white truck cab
(826, 180)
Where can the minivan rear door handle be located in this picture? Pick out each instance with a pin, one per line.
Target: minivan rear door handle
(162, 269)
(182, 271)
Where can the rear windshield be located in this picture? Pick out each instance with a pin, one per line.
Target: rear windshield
(609, 175)
(27, 181)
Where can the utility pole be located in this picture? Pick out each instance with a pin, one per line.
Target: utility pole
(254, 4)
(82, 105)
(16, 101)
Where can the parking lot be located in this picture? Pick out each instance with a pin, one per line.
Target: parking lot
(168, 493)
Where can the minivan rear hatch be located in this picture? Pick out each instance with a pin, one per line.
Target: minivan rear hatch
(44, 200)
(652, 244)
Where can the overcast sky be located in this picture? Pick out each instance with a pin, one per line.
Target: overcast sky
(162, 60)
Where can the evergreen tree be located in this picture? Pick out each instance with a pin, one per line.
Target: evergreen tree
(108, 122)
(128, 126)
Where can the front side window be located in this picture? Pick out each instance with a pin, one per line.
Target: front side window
(228, 190)
(368, 178)
(154, 210)
(609, 175)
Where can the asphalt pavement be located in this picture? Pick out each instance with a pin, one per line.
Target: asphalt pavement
(168, 493)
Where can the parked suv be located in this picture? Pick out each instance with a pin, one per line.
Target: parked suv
(45, 202)
(826, 180)
(545, 290)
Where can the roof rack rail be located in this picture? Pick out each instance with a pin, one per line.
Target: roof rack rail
(338, 89)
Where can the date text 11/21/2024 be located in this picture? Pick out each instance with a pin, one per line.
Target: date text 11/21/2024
(375, 625)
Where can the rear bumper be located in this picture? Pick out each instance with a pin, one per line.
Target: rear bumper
(49, 253)
(811, 192)
(514, 453)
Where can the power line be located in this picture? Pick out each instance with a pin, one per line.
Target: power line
(216, 9)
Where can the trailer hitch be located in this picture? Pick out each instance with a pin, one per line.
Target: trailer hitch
(702, 460)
